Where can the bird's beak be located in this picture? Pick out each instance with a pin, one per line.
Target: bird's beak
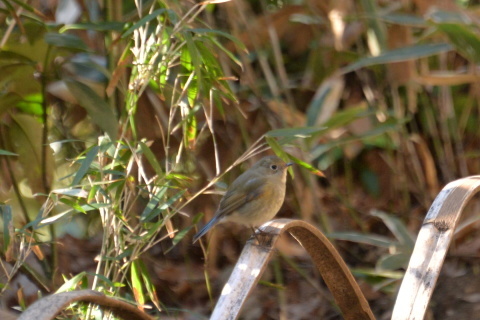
(289, 164)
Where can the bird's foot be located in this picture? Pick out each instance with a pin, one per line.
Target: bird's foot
(263, 239)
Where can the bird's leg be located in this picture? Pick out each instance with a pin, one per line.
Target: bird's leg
(263, 238)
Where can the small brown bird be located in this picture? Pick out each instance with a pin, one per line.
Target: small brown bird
(254, 197)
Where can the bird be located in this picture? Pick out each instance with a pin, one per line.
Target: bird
(254, 198)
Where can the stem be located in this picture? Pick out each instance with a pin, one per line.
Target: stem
(46, 186)
(13, 179)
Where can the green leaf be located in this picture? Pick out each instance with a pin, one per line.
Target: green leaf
(6, 212)
(397, 227)
(190, 131)
(7, 153)
(8, 99)
(377, 31)
(121, 256)
(23, 5)
(136, 278)
(143, 21)
(68, 41)
(378, 273)
(96, 26)
(389, 125)
(393, 261)
(193, 61)
(276, 147)
(344, 117)
(179, 236)
(465, 41)
(11, 56)
(105, 279)
(72, 204)
(402, 54)
(31, 104)
(404, 19)
(307, 166)
(370, 181)
(148, 283)
(151, 158)
(228, 53)
(98, 110)
(326, 101)
(71, 284)
(85, 166)
(370, 239)
(455, 17)
(299, 132)
(237, 42)
(152, 210)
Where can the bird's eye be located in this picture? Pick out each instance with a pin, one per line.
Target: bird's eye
(273, 167)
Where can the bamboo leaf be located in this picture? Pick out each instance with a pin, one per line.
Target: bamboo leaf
(85, 165)
(370, 239)
(465, 41)
(68, 41)
(143, 21)
(151, 158)
(6, 212)
(99, 110)
(136, 278)
(299, 132)
(7, 153)
(398, 55)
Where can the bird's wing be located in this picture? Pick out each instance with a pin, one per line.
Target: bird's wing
(237, 197)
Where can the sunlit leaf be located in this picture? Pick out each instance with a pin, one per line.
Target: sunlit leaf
(73, 282)
(31, 104)
(191, 131)
(149, 285)
(378, 273)
(307, 166)
(72, 204)
(136, 278)
(273, 143)
(79, 193)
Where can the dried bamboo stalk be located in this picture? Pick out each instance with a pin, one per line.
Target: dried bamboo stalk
(255, 257)
(48, 307)
(431, 248)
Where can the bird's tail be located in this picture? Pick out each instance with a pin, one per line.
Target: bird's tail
(205, 229)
